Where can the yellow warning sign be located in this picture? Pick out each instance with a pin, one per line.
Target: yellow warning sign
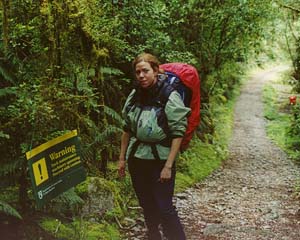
(40, 171)
(55, 166)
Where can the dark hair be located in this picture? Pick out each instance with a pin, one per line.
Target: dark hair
(151, 59)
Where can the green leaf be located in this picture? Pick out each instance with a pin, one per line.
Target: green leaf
(7, 209)
(111, 71)
(6, 74)
(7, 91)
(69, 197)
(113, 114)
(3, 135)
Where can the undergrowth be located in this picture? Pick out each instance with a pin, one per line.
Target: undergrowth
(279, 115)
(283, 121)
(80, 229)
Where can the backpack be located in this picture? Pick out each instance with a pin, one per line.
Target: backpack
(185, 79)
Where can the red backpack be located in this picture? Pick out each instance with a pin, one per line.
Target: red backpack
(188, 76)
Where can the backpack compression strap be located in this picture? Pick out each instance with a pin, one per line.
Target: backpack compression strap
(152, 145)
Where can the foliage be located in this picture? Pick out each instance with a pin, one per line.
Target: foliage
(292, 20)
(196, 164)
(292, 36)
(67, 204)
(65, 65)
(53, 88)
(295, 132)
(280, 123)
(7, 209)
(79, 229)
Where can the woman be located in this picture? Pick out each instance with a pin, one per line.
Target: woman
(150, 149)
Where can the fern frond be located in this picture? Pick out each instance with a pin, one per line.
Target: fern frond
(69, 197)
(111, 71)
(7, 91)
(87, 154)
(9, 210)
(2, 134)
(101, 138)
(113, 114)
(108, 132)
(10, 168)
(5, 73)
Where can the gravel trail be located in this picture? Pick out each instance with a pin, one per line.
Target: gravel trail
(251, 197)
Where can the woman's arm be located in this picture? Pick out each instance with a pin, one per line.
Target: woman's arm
(167, 170)
(177, 121)
(122, 158)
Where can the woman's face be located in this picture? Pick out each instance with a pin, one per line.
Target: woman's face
(145, 74)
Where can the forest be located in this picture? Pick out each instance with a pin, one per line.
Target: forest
(67, 64)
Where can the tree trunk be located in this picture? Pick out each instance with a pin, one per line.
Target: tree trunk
(23, 187)
(104, 122)
(5, 9)
(297, 67)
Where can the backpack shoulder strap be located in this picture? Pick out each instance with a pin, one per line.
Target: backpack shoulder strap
(165, 92)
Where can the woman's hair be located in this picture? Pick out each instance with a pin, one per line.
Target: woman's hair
(151, 59)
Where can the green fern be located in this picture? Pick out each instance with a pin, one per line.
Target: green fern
(113, 114)
(2, 134)
(100, 139)
(5, 73)
(108, 132)
(7, 209)
(111, 71)
(69, 197)
(7, 91)
(10, 168)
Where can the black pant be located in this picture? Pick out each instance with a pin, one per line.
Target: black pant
(156, 198)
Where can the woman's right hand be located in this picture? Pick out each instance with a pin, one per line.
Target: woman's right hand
(121, 167)
(122, 161)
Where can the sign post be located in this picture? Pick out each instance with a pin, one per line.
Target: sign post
(55, 167)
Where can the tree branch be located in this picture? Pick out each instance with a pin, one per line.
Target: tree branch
(290, 7)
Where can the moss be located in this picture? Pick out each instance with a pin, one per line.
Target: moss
(183, 181)
(199, 162)
(56, 228)
(105, 186)
(109, 232)
(80, 229)
(82, 188)
(196, 164)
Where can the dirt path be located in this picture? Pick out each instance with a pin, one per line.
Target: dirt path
(251, 196)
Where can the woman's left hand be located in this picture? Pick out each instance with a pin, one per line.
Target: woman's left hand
(121, 168)
(165, 174)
